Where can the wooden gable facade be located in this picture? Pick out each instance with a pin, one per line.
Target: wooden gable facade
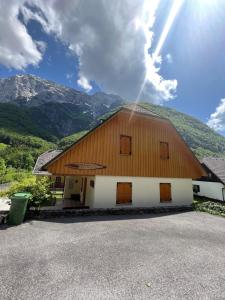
(141, 145)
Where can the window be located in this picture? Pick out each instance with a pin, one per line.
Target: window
(125, 144)
(92, 183)
(164, 150)
(58, 179)
(165, 192)
(196, 188)
(124, 193)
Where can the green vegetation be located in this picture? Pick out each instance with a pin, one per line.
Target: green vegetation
(69, 140)
(209, 206)
(200, 138)
(14, 175)
(18, 154)
(40, 190)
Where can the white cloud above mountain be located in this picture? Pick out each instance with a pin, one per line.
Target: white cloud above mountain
(217, 119)
(17, 48)
(110, 38)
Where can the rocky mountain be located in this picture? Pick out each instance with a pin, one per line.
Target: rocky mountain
(32, 91)
(54, 110)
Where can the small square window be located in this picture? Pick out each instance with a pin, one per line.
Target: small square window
(196, 188)
(92, 183)
(125, 144)
(164, 150)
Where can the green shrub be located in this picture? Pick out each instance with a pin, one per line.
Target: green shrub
(212, 207)
(40, 190)
(12, 175)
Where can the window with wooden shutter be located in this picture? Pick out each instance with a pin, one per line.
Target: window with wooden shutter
(164, 150)
(124, 193)
(125, 144)
(165, 192)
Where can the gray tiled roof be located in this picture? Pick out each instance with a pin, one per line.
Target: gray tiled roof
(43, 159)
(140, 109)
(216, 165)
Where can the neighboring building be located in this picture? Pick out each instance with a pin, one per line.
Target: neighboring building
(134, 158)
(212, 185)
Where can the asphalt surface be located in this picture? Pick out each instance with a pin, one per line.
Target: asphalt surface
(180, 256)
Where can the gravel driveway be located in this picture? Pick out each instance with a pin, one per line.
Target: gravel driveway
(180, 256)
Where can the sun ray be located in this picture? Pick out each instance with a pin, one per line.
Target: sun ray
(175, 8)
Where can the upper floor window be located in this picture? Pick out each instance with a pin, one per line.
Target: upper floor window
(164, 150)
(125, 144)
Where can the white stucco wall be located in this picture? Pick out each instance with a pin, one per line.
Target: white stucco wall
(210, 189)
(145, 191)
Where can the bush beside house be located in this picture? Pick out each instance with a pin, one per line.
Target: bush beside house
(209, 206)
(40, 190)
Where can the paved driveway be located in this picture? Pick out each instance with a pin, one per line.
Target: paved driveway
(180, 256)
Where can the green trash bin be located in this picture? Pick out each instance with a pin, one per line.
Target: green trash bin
(18, 208)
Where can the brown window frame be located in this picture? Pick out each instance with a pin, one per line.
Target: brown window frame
(163, 200)
(130, 139)
(168, 153)
(123, 203)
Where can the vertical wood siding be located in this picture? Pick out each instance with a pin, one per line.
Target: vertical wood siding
(102, 146)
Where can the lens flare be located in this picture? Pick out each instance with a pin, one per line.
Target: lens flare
(169, 22)
(151, 60)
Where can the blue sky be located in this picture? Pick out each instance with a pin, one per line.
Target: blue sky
(99, 45)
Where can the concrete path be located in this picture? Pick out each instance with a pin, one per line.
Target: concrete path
(180, 256)
(4, 204)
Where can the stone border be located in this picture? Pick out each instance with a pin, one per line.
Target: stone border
(46, 214)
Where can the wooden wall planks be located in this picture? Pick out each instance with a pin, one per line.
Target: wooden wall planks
(102, 146)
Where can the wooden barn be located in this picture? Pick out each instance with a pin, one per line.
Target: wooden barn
(134, 158)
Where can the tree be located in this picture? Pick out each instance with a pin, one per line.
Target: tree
(2, 167)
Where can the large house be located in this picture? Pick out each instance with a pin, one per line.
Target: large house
(213, 184)
(134, 158)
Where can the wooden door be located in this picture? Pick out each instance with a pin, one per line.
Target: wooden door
(84, 190)
(124, 193)
(165, 192)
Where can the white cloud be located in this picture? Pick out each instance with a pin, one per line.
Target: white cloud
(84, 83)
(17, 48)
(111, 39)
(217, 119)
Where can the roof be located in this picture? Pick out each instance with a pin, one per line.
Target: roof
(44, 159)
(47, 158)
(216, 165)
(140, 109)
